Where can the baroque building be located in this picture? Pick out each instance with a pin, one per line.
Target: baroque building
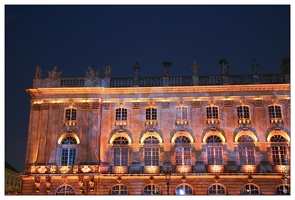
(197, 135)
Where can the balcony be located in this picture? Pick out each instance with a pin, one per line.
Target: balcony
(70, 122)
(183, 169)
(212, 121)
(120, 169)
(248, 168)
(282, 168)
(215, 168)
(121, 123)
(276, 120)
(151, 169)
(151, 122)
(181, 121)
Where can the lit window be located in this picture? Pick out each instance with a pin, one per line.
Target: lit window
(275, 114)
(151, 189)
(250, 189)
(212, 112)
(214, 150)
(216, 189)
(68, 151)
(283, 190)
(151, 114)
(184, 189)
(119, 189)
(70, 117)
(278, 149)
(182, 151)
(151, 151)
(246, 150)
(71, 114)
(121, 114)
(243, 112)
(65, 190)
(120, 151)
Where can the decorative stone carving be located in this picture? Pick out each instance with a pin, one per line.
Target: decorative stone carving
(135, 105)
(36, 106)
(85, 105)
(95, 105)
(257, 103)
(55, 105)
(45, 106)
(227, 103)
(195, 68)
(106, 106)
(92, 77)
(136, 68)
(165, 104)
(38, 74)
(166, 68)
(254, 66)
(224, 67)
(196, 104)
(107, 71)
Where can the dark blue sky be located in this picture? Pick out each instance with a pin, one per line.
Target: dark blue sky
(75, 37)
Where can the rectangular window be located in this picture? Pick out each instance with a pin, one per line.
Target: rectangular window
(181, 112)
(151, 114)
(278, 154)
(71, 114)
(68, 156)
(151, 156)
(246, 154)
(182, 156)
(275, 112)
(243, 112)
(121, 156)
(121, 114)
(214, 155)
(212, 112)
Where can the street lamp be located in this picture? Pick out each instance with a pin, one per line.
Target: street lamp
(167, 176)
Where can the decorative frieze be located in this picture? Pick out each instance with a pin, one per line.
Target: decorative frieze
(55, 105)
(45, 106)
(106, 106)
(196, 104)
(165, 104)
(85, 106)
(95, 105)
(227, 103)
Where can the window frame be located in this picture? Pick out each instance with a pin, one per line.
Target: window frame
(121, 114)
(151, 151)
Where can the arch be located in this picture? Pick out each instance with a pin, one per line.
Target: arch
(120, 133)
(182, 133)
(151, 188)
(280, 189)
(250, 188)
(250, 132)
(65, 190)
(278, 132)
(182, 188)
(119, 189)
(68, 134)
(216, 184)
(149, 133)
(217, 131)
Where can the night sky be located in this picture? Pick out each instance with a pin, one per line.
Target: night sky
(74, 37)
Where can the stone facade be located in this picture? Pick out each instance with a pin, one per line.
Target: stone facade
(96, 136)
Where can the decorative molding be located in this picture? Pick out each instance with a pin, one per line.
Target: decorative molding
(227, 103)
(196, 104)
(166, 104)
(45, 106)
(55, 106)
(106, 106)
(36, 107)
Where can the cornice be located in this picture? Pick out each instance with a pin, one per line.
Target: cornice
(164, 89)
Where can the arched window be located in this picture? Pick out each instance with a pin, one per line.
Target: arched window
(65, 190)
(119, 189)
(214, 150)
(120, 151)
(283, 190)
(216, 189)
(151, 151)
(151, 189)
(182, 151)
(246, 150)
(184, 189)
(278, 149)
(68, 151)
(250, 189)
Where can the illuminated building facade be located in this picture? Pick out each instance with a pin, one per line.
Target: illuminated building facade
(199, 135)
